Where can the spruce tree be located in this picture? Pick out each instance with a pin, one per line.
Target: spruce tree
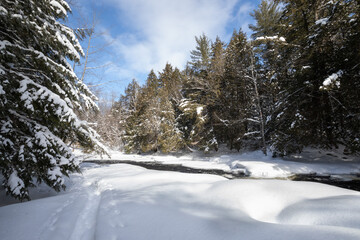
(170, 138)
(132, 121)
(38, 94)
(150, 116)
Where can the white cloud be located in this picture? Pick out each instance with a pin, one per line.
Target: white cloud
(242, 17)
(161, 31)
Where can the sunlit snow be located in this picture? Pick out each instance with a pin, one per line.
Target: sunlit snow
(127, 202)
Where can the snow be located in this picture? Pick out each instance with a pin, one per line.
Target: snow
(322, 21)
(121, 201)
(15, 183)
(332, 80)
(256, 164)
(281, 39)
(3, 11)
(17, 16)
(59, 8)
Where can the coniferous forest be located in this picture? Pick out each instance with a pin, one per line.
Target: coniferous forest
(294, 83)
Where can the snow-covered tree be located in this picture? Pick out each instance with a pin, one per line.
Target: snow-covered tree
(38, 94)
(319, 77)
(130, 104)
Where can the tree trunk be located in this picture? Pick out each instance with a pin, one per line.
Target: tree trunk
(258, 104)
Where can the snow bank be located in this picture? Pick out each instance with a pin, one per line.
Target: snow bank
(127, 202)
(256, 164)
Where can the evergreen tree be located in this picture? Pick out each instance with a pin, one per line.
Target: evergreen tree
(217, 68)
(267, 18)
(170, 138)
(232, 118)
(266, 62)
(318, 34)
(151, 123)
(130, 103)
(199, 98)
(200, 57)
(150, 117)
(38, 93)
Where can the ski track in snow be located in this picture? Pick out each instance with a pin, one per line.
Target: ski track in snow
(85, 227)
(86, 204)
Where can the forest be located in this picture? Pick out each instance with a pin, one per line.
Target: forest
(294, 83)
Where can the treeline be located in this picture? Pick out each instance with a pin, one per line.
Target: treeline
(294, 84)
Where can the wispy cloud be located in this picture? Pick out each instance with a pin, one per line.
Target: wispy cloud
(242, 17)
(146, 34)
(161, 31)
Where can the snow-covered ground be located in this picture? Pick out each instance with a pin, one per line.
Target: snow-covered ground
(122, 201)
(256, 164)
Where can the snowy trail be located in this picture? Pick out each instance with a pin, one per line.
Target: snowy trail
(127, 202)
(79, 213)
(85, 226)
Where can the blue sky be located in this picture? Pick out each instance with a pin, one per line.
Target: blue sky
(146, 34)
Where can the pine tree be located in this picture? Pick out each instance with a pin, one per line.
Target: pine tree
(38, 93)
(266, 61)
(232, 118)
(267, 18)
(200, 57)
(318, 76)
(198, 102)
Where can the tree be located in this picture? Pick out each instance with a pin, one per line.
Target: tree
(130, 104)
(108, 121)
(38, 94)
(169, 137)
(150, 117)
(267, 18)
(265, 60)
(314, 108)
(199, 89)
(200, 57)
(90, 34)
(256, 99)
(232, 117)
